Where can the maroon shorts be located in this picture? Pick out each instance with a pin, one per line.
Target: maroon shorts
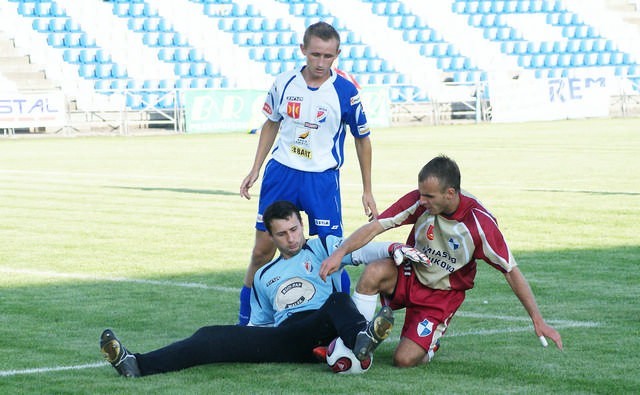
(428, 311)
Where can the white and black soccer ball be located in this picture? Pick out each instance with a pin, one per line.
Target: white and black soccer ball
(342, 360)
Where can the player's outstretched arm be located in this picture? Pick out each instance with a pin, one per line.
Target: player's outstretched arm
(359, 238)
(268, 135)
(521, 288)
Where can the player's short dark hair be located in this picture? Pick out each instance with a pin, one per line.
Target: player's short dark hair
(280, 209)
(444, 169)
(323, 31)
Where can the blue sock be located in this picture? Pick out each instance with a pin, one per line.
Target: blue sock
(245, 306)
(345, 281)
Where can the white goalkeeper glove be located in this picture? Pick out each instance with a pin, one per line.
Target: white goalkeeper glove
(402, 252)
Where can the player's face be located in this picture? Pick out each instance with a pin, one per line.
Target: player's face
(320, 55)
(434, 199)
(288, 235)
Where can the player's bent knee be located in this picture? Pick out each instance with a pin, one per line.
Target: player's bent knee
(406, 361)
(375, 276)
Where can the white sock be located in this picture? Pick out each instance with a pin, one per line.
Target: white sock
(366, 304)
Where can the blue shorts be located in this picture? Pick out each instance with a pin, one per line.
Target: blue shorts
(317, 194)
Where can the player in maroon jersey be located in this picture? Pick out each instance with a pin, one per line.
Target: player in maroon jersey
(454, 230)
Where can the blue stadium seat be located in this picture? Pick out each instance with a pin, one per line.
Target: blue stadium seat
(195, 55)
(42, 8)
(181, 69)
(72, 25)
(71, 56)
(103, 70)
(87, 56)
(26, 9)
(57, 25)
(102, 85)
(86, 70)
(118, 84)
(55, 40)
(604, 59)
(118, 71)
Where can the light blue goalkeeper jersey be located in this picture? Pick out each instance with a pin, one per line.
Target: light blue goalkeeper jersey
(287, 286)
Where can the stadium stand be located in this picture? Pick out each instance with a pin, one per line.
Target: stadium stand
(150, 50)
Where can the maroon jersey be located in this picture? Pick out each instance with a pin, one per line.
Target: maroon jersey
(453, 243)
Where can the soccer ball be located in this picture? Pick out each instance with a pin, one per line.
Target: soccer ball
(342, 360)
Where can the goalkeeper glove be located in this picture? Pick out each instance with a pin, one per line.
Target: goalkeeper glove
(402, 252)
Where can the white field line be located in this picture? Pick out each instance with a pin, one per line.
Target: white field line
(4, 373)
(393, 339)
(90, 277)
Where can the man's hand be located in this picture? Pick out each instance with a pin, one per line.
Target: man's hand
(402, 252)
(247, 183)
(369, 204)
(329, 266)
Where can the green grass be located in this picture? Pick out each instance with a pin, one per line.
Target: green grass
(103, 232)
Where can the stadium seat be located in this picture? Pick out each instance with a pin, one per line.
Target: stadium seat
(103, 70)
(86, 70)
(55, 40)
(87, 56)
(118, 71)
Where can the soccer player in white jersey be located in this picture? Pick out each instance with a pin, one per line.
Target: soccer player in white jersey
(310, 109)
(294, 311)
(454, 230)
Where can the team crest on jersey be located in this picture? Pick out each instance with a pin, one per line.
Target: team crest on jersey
(453, 244)
(430, 234)
(267, 108)
(321, 115)
(307, 266)
(424, 328)
(293, 109)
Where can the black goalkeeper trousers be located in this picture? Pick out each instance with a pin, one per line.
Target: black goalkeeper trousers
(292, 341)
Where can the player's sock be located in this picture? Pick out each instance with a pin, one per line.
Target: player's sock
(366, 304)
(345, 281)
(245, 306)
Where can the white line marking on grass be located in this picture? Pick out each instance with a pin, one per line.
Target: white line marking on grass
(392, 339)
(562, 323)
(90, 277)
(4, 373)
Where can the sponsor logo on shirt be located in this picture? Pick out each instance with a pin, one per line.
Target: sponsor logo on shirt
(267, 108)
(293, 109)
(305, 153)
(273, 280)
(424, 328)
(322, 222)
(355, 100)
(310, 125)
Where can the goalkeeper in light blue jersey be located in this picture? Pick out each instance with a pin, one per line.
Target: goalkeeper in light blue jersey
(294, 310)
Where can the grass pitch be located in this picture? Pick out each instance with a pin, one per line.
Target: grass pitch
(148, 236)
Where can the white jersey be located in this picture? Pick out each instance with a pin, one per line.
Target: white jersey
(314, 120)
